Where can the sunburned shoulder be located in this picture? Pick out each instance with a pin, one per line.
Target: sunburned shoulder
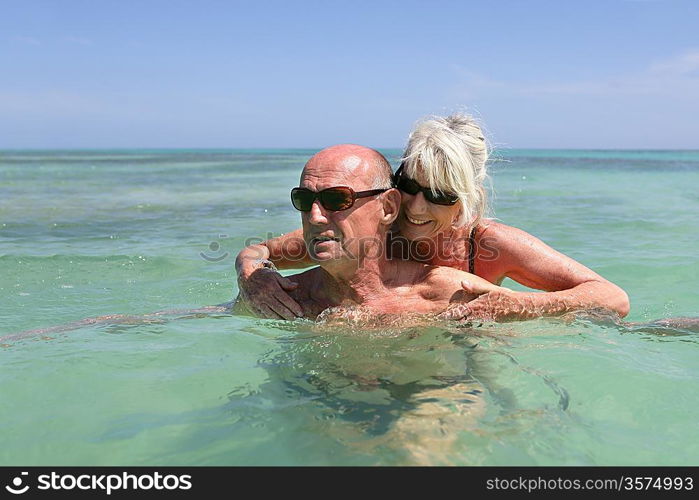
(500, 247)
(497, 233)
(444, 283)
(445, 276)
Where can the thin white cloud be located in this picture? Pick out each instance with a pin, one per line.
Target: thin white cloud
(686, 64)
(78, 40)
(47, 102)
(473, 83)
(677, 74)
(25, 40)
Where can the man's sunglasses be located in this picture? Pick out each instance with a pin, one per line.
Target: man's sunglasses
(408, 185)
(333, 199)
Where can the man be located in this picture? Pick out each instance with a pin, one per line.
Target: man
(345, 232)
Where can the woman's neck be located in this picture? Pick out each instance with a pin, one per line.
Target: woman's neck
(449, 248)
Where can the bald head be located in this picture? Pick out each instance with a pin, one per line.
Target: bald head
(365, 168)
(339, 240)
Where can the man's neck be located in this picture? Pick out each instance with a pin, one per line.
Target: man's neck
(362, 283)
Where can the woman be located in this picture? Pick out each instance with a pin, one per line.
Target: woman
(442, 182)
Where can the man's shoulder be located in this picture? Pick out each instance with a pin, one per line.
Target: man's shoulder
(442, 282)
(442, 275)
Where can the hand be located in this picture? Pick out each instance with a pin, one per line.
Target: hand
(265, 292)
(493, 302)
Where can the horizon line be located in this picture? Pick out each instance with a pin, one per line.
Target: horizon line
(297, 148)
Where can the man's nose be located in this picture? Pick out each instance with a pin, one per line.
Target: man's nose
(317, 215)
(417, 204)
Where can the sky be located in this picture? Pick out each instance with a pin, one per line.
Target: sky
(306, 74)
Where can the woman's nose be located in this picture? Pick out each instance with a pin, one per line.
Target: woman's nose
(417, 204)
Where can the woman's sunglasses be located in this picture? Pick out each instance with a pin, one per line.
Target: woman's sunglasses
(411, 187)
(334, 198)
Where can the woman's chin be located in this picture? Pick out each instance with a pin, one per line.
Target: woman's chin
(415, 231)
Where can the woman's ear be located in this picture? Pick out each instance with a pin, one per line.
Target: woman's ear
(455, 220)
(391, 206)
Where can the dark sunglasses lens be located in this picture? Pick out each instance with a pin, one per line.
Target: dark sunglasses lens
(408, 185)
(336, 199)
(412, 188)
(441, 198)
(302, 199)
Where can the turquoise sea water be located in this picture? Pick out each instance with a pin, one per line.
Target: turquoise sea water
(89, 233)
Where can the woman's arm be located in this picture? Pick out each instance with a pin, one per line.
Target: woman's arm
(285, 252)
(263, 289)
(568, 285)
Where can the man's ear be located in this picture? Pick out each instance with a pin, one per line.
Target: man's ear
(391, 206)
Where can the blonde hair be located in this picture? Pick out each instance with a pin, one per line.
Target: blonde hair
(452, 154)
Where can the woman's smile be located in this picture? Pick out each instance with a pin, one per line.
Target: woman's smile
(417, 222)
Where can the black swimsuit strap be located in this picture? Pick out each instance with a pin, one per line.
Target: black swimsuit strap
(472, 251)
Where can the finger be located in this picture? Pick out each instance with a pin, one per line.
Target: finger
(481, 315)
(455, 315)
(278, 307)
(452, 313)
(476, 288)
(290, 304)
(287, 284)
(247, 305)
(261, 295)
(268, 313)
(257, 304)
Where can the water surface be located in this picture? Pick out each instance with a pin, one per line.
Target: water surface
(89, 233)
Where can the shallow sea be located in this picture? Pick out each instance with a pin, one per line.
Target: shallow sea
(90, 233)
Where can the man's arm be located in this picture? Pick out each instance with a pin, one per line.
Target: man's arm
(264, 290)
(116, 319)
